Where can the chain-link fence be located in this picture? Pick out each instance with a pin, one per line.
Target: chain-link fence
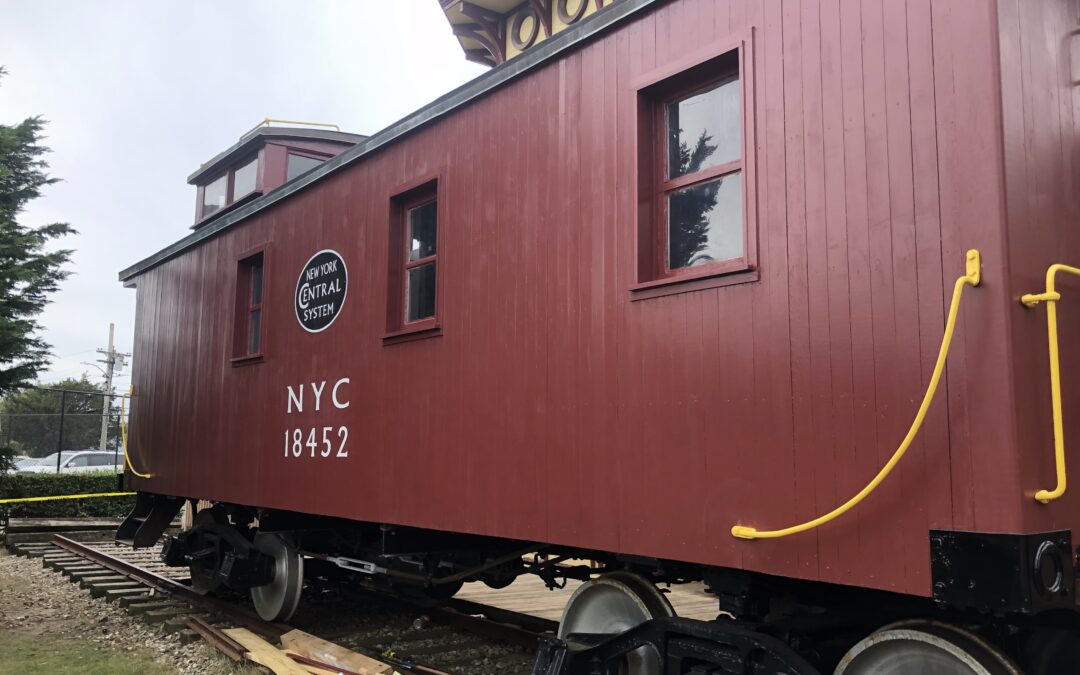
(62, 430)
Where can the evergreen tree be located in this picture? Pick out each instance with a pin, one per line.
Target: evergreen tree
(29, 272)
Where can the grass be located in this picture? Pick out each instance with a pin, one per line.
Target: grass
(43, 654)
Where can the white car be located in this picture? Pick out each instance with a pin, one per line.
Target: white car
(76, 461)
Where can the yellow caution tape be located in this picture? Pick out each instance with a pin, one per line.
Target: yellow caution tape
(59, 497)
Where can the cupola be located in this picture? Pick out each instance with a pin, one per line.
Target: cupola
(263, 159)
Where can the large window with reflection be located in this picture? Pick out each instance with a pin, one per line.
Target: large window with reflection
(695, 134)
(701, 184)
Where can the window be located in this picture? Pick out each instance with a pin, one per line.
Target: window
(101, 460)
(78, 461)
(702, 188)
(412, 297)
(422, 223)
(244, 179)
(300, 164)
(697, 219)
(215, 195)
(247, 338)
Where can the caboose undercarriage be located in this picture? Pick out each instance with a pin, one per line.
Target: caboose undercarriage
(988, 615)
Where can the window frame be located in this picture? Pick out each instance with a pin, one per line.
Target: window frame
(230, 186)
(404, 199)
(654, 92)
(409, 265)
(244, 307)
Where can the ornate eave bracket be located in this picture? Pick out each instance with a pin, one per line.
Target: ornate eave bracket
(488, 29)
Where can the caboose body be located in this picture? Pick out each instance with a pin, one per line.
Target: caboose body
(542, 314)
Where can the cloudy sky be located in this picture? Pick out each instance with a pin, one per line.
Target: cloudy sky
(138, 94)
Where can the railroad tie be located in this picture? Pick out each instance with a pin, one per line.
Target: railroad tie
(94, 580)
(100, 589)
(125, 597)
(156, 616)
(148, 606)
(70, 570)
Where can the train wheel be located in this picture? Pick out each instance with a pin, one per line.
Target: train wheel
(615, 603)
(924, 648)
(277, 600)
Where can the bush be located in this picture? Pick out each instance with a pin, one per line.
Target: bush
(13, 486)
(7, 460)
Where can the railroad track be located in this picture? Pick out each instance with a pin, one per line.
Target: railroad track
(458, 637)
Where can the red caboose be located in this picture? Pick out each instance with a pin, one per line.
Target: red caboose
(670, 279)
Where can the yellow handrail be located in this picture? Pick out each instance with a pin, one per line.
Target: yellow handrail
(124, 436)
(972, 277)
(1050, 297)
(267, 121)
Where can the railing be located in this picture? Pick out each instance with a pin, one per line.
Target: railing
(1050, 296)
(267, 121)
(972, 277)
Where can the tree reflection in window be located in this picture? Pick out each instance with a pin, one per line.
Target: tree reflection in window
(688, 224)
(703, 182)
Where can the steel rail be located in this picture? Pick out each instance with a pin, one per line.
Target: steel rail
(496, 623)
(528, 622)
(239, 615)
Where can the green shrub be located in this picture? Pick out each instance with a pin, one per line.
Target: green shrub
(13, 486)
(7, 459)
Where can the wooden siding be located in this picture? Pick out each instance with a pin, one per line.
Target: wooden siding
(1040, 55)
(552, 407)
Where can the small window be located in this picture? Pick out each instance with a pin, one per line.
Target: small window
(695, 223)
(247, 341)
(300, 164)
(78, 461)
(101, 460)
(215, 195)
(414, 260)
(244, 179)
(420, 262)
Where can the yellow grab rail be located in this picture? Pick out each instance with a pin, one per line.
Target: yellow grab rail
(972, 277)
(124, 436)
(1050, 297)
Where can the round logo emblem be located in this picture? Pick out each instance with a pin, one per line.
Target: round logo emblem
(320, 290)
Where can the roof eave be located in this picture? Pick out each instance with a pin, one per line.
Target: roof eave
(533, 58)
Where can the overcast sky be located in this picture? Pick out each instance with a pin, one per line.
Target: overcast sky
(138, 94)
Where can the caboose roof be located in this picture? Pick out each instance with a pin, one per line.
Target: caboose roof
(497, 77)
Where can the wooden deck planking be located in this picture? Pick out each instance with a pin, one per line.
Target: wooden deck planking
(528, 595)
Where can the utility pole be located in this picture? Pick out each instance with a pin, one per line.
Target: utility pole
(114, 361)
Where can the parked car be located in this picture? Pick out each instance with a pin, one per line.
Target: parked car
(22, 462)
(75, 461)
